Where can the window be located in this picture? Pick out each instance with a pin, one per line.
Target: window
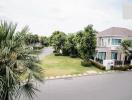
(114, 55)
(102, 55)
(116, 41)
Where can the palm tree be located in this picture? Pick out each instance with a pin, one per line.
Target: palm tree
(18, 68)
(126, 46)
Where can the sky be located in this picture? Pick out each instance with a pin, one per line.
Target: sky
(45, 16)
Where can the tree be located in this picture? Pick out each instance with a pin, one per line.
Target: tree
(35, 38)
(58, 39)
(44, 40)
(28, 39)
(31, 39)
(16, 62)
(87, 43)
(70, 45)
(77, 39)
(127, 49)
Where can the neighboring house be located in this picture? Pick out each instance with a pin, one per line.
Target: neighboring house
(109, 43)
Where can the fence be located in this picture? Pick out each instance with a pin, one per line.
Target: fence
(117, 62)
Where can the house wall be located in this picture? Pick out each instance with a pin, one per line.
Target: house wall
(104, 44)
(107, 41)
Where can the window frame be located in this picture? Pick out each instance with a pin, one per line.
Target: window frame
(116, 41)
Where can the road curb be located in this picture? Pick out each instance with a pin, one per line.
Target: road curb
(78, 75)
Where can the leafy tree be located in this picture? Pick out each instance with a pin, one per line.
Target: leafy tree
(82, 44)
(28, 38)
(44, 40)
(16, 62)
(31, 39)
(77, 39)
(87, 43)
(58, 39)
(127, 49)
(70, 45)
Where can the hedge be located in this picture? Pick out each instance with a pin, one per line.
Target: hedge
(86, 63)
(58, 54)
(122, 67)
(98, 65)
(73, 55)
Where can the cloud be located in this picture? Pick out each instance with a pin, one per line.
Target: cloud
(46, 16)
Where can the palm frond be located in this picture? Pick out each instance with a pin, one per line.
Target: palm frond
(28, 90)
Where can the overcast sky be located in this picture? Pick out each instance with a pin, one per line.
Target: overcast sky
(45, 16)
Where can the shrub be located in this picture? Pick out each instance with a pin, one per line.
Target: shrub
(73, 55)
(122, 68)
(65, 52)
(86, 63)
(54, 51)
(58, 54)
(130, 66)
(98, 65)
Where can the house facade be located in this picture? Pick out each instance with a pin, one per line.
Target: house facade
(109, 43)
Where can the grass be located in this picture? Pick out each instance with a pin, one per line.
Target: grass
(63, 65)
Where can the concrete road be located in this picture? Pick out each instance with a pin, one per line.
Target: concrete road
(46, 51)
(117, 86)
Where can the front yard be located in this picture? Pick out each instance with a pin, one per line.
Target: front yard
(64, 65)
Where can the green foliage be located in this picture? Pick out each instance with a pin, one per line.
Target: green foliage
(58, 39)
(31, 39)
(122, 68)
(70, 46)
(78, 36)
(127, 48)
(81, 44)
(86, 63)
(16, 61)
(98, 65)
(127, 43)
(87, 43)
(44, 41)
(58, 54)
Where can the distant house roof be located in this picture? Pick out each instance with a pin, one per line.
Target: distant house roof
(116, 31)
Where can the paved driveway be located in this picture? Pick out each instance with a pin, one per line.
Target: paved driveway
(46, 51)
(117, 86)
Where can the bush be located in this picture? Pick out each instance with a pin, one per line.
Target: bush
(86, 63)
(54, 51)
(58, 54)
(73, 56)
(65, 52)
(130, 66)
(122, 68)
(98, 65)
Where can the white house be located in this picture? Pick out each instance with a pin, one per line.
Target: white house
(108, 43)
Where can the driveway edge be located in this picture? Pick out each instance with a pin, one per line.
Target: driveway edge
(79, 75)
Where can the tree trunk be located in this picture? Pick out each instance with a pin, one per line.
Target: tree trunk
(123, 63)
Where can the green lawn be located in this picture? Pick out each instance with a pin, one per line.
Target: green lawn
(63, 65)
